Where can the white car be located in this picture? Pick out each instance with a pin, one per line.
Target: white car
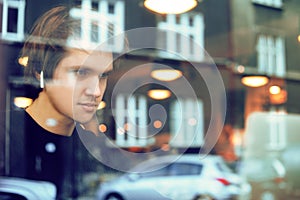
(177, 177)
(12, 188)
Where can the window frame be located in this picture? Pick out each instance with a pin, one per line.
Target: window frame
(20, 6)
(271, 56)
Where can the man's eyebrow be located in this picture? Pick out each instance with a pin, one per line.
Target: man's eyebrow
(106, 73)
(86, 67)
(78, 67)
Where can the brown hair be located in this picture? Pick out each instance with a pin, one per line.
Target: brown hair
(47, 43)
(45, 47)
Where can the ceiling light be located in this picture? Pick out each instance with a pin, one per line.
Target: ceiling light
(22, 102)
(255, 80)
(23, 61)
(274, 89)
(170, 6)
(159, 94)
(166, 74)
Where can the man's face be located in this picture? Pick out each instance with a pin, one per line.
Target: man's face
(78, 84)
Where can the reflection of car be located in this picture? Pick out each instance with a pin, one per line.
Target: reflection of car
(266, 177)
(270, 160)
(22, 189)
(176, 177)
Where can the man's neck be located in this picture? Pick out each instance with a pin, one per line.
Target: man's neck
(43, 112)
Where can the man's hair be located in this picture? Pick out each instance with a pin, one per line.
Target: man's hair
(45, 46)
(49, 41)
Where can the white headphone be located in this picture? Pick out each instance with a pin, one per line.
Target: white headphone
(42, 84)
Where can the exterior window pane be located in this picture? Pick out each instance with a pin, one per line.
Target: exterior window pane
(271, 55)
(184, 28)
(95, 5)
(13, 20)
(106, 12)
(191, 21)
(95, 32)
(111, 8)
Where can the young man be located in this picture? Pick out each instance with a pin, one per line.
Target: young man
(72, 76)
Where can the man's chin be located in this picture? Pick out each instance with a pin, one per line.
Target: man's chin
(89, 124)
(84, 118)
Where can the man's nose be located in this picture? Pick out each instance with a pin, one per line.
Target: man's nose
(94, 88)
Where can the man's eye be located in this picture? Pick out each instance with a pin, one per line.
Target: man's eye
(82, 72)
(104, 75)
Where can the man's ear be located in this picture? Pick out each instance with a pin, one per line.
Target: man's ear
(40, 77)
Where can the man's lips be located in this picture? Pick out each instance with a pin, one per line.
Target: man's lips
(89, 107)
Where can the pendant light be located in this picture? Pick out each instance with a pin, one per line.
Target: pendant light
(255, 80)
(166, 74)
(159, 94)
(170, 6)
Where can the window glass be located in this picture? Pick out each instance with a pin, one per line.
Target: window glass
(207, 109)
(184, 169)
(13, 20)
(156, 173)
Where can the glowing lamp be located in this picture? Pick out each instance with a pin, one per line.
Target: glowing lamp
(159, 94)
(166, 74)
(22, 102)
(254, 80)
(170, 6)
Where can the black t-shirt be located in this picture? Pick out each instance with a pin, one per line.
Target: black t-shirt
(38, 154)
(49, 156)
